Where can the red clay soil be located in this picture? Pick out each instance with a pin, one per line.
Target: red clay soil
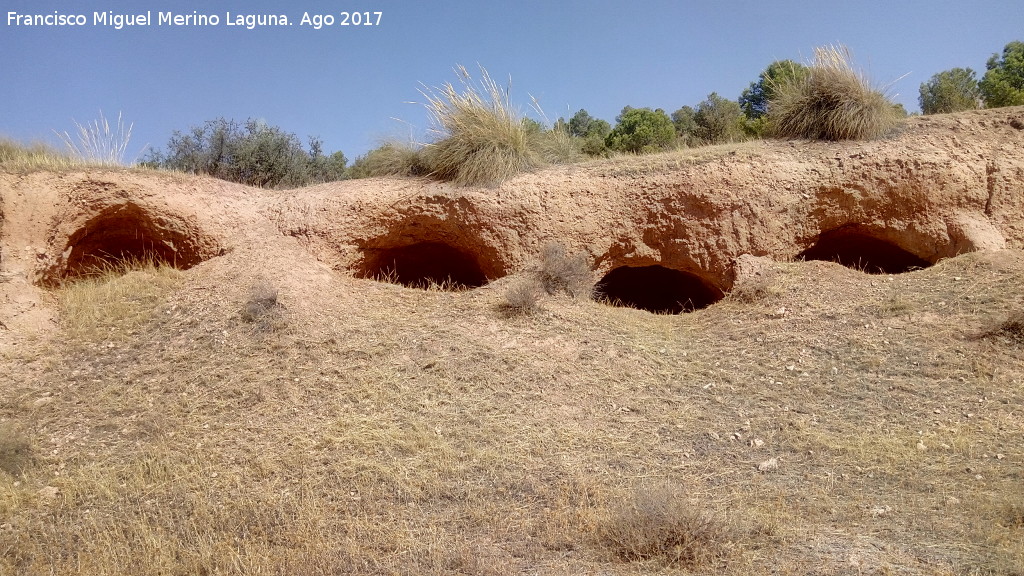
(944, 185)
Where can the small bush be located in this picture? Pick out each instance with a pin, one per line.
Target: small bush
(262, 308)
(481, 138)
(656, 524)
(832, 101)
(522, 298)
(561, 272)
(390, 159)
(754, 288)
(15, 449)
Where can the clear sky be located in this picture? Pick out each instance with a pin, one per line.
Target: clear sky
(348, 84)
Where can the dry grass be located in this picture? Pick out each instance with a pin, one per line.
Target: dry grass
(672, 160)
(390, 159)
(480, 137)
(394, 431)
(115, 300)
(18, 157)
(834, 101)
(97, 143)
(522, 297)
(15, 449)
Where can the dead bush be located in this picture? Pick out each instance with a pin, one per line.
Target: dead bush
(562, 272)
(522, 298)
(262, 308)
(657, 524)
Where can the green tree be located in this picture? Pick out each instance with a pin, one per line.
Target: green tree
(592, 131)
(718, 120)
(641, 130)
(950, 91)
(325, 167)
(1003, 83)
(755, 98)
(685, 121)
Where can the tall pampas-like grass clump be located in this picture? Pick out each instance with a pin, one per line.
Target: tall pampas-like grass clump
(834, 101)
(480, 138)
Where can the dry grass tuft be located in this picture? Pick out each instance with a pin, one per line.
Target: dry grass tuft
(481, 138)
(15, 449)
(390, 159)
(657, 524)
(834, 101)
(97, 143)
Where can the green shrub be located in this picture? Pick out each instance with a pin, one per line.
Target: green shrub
(640, 130)
(253, 153)
(950, 91)
(685, 121)
(591, 133)
(832, 102)
(755, 98)
(480, 139)
(718, 120)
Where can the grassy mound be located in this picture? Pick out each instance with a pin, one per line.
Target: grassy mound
(834, 101)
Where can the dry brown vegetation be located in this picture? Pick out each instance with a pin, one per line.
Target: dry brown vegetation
(835, 423)
(834, 101)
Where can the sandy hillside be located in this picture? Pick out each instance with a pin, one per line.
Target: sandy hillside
(265, 404)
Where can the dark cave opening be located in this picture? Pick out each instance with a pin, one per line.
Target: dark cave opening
(424, 264)
(860, 251)
(656, 289)
(125, 236)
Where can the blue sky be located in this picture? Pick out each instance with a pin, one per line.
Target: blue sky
(348, 84)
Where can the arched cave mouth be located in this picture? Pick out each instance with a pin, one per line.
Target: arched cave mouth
(656, 289)
(860, 251)
(424, 264)
(127, 235)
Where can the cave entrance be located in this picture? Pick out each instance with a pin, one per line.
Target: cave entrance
(855, 249)
(424, 264)
(128, 235)
(657, 289)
